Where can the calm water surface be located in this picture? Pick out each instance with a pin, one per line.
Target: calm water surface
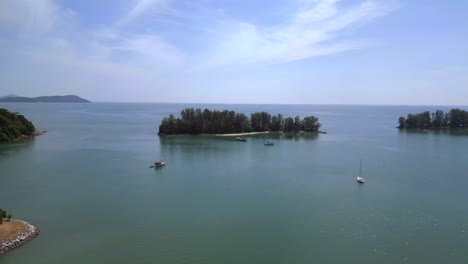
(88, 186)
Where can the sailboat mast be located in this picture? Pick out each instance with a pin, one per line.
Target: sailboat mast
(360, 167)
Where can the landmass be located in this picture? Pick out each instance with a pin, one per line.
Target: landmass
(454, 119)
(44, 99)
(229, 123)
(14, 233)
(14, 127)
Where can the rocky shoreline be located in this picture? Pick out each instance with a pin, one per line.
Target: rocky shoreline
(21, 239)
(25, 138)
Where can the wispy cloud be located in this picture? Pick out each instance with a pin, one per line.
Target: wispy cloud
(316, 29)
(141, 8)
(35, 19)
(158, 42)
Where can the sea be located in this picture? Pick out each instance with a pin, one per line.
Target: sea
(88, 186)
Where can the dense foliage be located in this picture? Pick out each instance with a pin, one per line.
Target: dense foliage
(456, 118)
(13, 125)
(196, 121)
(3, 214)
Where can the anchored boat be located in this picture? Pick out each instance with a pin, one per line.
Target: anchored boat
(359, 178)
(160, 163)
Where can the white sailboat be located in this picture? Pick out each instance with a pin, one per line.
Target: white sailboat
(359, 178)
(161, 162)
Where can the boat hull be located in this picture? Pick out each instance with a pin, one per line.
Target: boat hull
(159, 164)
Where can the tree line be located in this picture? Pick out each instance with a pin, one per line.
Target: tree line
(455, 118)
(195, 121)
(14, 125)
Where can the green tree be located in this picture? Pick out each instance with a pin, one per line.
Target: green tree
(297, 124)
(310, 124)
(438, 119)
(3, 213)
(289, 124)
(401, 122)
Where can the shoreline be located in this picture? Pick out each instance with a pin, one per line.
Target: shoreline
(237, 134)
(25, 138)
(433, 128)
(20, 239)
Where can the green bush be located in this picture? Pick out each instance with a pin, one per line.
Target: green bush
(3, 213)
(9, 216)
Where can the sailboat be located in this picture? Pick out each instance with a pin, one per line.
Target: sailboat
(359, 178)
(161, 162)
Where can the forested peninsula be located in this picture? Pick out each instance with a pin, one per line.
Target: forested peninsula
(196, 121)
(454, 119)
(14, 127)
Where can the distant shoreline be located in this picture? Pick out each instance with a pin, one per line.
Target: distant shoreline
(433, 128)
(238, 134)
(44, 99)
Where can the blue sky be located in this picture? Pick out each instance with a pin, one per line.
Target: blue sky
(228, 51)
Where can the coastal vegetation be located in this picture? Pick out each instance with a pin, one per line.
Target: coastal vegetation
(4, 215)
(195, 121)
(455, 118)
(14, 126)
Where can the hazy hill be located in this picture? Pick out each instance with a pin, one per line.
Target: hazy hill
(45, 99)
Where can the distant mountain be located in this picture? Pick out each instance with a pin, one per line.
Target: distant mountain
(18, 99)
(45, 99)
(10, 95)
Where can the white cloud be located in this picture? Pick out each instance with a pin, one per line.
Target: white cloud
(313, 31)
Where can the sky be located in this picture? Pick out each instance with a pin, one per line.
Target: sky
(390, 52)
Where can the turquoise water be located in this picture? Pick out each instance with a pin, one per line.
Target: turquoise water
(88, 186)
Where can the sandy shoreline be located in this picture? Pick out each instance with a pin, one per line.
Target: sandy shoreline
(221, 135)
(247, 134)
(235, 134)
(15, 233)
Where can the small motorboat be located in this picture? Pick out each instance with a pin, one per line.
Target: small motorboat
(241, 139)
(360, 179)
(268, 143)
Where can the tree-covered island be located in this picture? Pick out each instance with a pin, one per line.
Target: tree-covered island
(195, 121)
(14, 127)
(454, 119)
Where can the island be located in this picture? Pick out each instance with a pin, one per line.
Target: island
(44, 99)
(198, 122)
(454, 119)
(14, 127)
(14, 233)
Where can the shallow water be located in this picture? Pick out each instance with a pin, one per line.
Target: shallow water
(88, 186)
